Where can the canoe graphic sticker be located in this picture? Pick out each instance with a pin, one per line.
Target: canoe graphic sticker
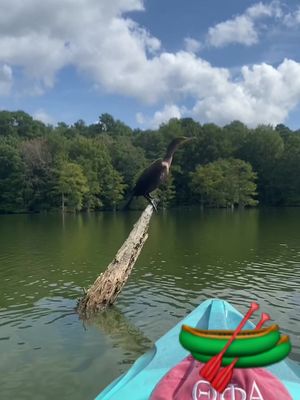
(224, 350)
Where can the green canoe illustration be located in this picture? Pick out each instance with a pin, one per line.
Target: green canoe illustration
(211, 342)
(271, 356)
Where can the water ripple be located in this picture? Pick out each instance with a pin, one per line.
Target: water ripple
(189, 257)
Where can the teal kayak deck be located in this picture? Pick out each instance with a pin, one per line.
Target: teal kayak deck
(139, 381)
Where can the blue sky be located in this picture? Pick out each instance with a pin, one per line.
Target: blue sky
(147, 61)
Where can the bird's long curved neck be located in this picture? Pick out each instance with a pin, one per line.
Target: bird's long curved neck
(170, 153)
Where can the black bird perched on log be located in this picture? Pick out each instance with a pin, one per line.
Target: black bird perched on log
(156, 173)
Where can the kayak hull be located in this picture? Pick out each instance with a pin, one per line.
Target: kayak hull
(139, 381)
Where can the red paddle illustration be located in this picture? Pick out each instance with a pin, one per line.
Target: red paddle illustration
(211, 368)
(224, 376)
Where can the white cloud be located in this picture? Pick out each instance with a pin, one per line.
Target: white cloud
(192, 45)
(119, 56)
(43, 116)
(6, 79)
(238, 30)
(263, 95)
(140, 118)
(42, 37)
(260, 10)
(169, 111)
(242, 29)
(292, 19)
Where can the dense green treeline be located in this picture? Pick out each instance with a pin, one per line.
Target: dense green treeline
(91, 167)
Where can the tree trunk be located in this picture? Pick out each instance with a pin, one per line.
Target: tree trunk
(109, 284)
(62, 203)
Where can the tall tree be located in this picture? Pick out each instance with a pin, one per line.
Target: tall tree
(166, 193)
(127, 159)
(39, 173)
(108, 124)
(236, 133)
(288, 172)
(72, 185)
(113, 188)
(263, 148)
(225, 183)
(11, 179)
(94, 158)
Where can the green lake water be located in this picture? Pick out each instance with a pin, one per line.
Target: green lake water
(47, 352)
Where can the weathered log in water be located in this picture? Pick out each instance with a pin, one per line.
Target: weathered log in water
(106, 288)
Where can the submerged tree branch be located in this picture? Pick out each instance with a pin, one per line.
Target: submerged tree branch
(109, 284)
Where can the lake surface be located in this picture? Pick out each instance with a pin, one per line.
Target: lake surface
(47, 352)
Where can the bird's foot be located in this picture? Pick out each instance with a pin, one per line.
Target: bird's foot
(151, 201)
(154, 204)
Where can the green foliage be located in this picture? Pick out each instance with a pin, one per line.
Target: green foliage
(94, 167)
(11, 179)
(39, 174)
(92, 157)
(288, 172)
(127, 159)
(72, 185)
(263, 148)
(113, 188)
(236, 134)
(166, 193)
(114, 127)
(225, 183)
(21, 124)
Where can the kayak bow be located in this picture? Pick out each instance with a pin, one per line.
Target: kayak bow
(139, 381)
